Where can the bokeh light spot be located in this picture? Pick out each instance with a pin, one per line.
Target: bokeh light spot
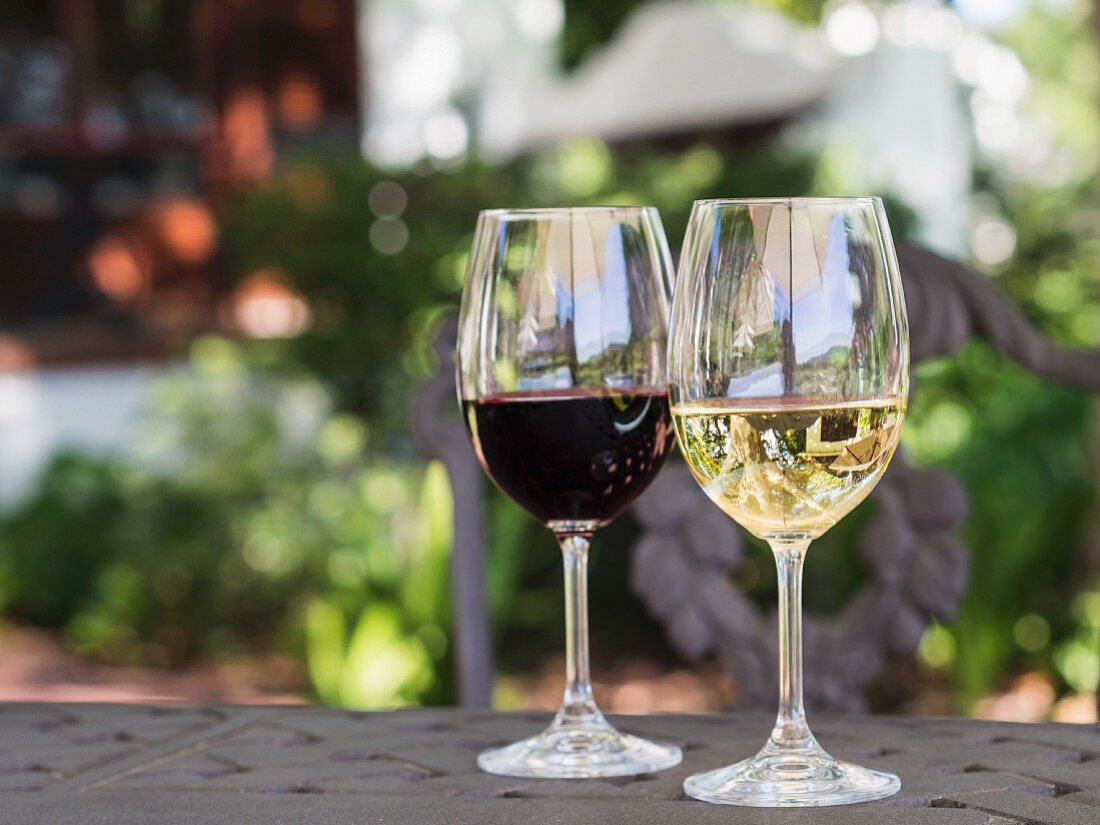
(266, 306)
(118, 271)
(1031, 632)
(937, 647)
(387, 199)
(389, 235)
(540, 19)
(187, 228)
(852, 29)
(993, 241)
(298, 101)
(446, 135)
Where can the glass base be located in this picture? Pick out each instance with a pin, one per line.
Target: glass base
(589, 749)
(791, 780)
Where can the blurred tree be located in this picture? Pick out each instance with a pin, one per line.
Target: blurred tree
(1020, 444)
(248, 521)
(375, 256)
(380, 255)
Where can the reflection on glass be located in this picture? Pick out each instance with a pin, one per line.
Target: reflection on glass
(561, 365)
(788, 377)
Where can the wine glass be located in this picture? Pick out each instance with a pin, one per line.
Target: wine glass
(788, 379)
(561, 378)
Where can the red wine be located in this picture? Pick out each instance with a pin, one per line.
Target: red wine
(570, 455)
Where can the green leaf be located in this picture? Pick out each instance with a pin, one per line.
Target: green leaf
(384, 667)
(326, 635)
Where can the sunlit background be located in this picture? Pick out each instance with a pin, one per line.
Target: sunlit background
(230, 232)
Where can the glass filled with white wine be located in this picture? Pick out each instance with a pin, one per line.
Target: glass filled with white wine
(788, 380)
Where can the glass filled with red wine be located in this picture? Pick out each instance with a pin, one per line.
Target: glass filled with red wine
(561, 375)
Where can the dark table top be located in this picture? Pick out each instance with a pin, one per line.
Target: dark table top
(177, 765)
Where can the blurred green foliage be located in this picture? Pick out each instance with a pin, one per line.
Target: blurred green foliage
(321, 223)
(249, 519)
(1019, 446)
(1025, 449)
(1075, 656)
(312, 225)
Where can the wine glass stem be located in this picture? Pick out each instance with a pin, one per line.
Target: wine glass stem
(577, 704)
(791, 732)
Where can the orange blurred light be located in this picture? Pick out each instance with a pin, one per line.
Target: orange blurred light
(14, 355)
(266, 306)
(1076, 709)
(299, 101)
(247, 145)
(187, 228)
(117, 270)
(1029, 699)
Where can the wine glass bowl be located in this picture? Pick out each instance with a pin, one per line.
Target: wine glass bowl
(562, 382)
(788, 380)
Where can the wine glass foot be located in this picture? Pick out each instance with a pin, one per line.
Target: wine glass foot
(579, 750)
(791, 780)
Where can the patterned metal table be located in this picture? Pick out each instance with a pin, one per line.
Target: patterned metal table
(178, 765)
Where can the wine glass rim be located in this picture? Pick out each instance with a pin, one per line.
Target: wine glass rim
(809, 200)
(563, 211)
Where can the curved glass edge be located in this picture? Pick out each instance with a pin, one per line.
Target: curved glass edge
(549, 212)
(799, 200)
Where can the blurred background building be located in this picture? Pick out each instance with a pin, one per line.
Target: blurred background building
(123, 125)
(230, 230)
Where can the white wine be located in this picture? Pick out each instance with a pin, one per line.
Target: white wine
(787, 467)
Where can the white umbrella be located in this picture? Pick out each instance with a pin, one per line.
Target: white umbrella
(683, 65)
